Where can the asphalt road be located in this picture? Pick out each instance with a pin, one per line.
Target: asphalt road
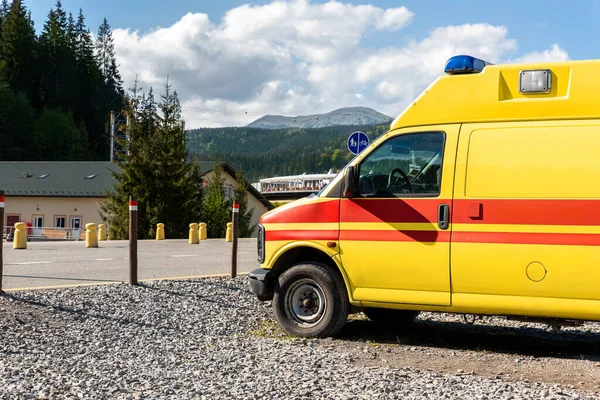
(55, 264)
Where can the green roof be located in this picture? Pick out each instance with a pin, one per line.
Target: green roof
(56, 178)
(76, 178)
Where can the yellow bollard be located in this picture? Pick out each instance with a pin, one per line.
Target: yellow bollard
(194, 239)
(91, 236)
(229, 232)
(20, 239)
(202, 232)
(160, 231)
(101, 232)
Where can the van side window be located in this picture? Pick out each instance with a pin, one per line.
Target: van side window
(404, 166)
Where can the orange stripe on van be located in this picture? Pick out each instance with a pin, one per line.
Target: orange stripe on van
(529, 212)
(302, 235)
(395, 236)
(561, 239)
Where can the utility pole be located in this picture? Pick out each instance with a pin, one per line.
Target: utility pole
(112, 135)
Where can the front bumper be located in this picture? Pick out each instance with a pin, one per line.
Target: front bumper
(262, 284)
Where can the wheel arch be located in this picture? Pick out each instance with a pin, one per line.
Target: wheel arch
(309, 253)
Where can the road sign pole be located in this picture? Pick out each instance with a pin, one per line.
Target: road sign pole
(234, 246)
(1, 237)
(133, 228)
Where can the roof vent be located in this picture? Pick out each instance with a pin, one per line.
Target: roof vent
(27, 175)
(43, 176)
(90, 176)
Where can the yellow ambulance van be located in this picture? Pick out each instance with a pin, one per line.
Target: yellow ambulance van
(482, 198)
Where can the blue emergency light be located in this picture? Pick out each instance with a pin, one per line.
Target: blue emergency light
(464, 65)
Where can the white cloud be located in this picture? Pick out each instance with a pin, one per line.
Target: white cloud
(556, 53)
(295, 57)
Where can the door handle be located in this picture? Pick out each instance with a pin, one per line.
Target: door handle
(443, 216)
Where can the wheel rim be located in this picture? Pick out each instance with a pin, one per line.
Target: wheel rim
(306, 303)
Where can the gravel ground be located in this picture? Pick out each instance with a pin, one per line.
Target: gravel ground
(212, 339)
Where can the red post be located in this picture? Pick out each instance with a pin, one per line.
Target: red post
(235, 217)
(133, 227)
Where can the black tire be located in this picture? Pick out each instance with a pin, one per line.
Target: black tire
(389, 317)
(310, 300)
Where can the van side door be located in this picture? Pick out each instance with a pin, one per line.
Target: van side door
(526, 221)
(395, 231)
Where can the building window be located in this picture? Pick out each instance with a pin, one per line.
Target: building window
(60, 221)
(38, 221)
(228, 191)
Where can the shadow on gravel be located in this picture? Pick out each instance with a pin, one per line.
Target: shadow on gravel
(499, 339)
(208, 299)
(78, 314)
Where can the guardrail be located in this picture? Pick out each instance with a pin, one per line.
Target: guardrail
(46, 233)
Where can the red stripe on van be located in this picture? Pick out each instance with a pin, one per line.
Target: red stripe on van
(320, 212)
(529, 212)
(390, 210)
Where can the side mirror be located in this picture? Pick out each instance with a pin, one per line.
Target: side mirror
(349, 183)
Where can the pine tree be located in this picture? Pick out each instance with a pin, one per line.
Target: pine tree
(4, 8)
(156, 170)
(215, 207)
(17, 50)
(112, 93)
(105, 49)
(86, 106)
(57, 61)
(240, 190)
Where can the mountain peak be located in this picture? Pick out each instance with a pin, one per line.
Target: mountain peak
(341, 116)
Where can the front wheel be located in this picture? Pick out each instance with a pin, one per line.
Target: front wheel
(310, 300)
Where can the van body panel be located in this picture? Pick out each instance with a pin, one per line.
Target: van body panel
(493, 96)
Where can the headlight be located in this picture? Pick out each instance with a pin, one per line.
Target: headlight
(260, 243)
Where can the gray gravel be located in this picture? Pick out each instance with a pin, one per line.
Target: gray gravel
(197, 340)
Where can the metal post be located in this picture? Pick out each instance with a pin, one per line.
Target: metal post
(128, 135)
(133, 227)
(112, 135)
(1, 236)
(236, 214)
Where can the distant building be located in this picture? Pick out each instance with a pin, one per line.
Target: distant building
(64, 196)
(293, 186)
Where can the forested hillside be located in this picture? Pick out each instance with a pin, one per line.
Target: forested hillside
(57, 89)
(261, 153)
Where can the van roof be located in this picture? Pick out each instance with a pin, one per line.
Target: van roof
(493, 95)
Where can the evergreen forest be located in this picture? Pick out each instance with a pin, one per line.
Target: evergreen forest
(262, 153)
(58, 88)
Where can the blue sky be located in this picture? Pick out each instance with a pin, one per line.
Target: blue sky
(297, 74)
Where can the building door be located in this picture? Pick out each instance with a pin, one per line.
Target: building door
(75, 227)
(11, 220)
(38, 224)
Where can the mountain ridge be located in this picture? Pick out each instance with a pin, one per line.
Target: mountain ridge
(339, 117)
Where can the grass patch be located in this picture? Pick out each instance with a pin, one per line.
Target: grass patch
(268, 328)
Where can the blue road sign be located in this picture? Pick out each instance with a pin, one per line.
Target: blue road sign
(357, 142)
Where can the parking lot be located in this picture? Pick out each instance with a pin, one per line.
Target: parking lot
(53, 264)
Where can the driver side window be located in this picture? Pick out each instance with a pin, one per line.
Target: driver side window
(404, 166)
